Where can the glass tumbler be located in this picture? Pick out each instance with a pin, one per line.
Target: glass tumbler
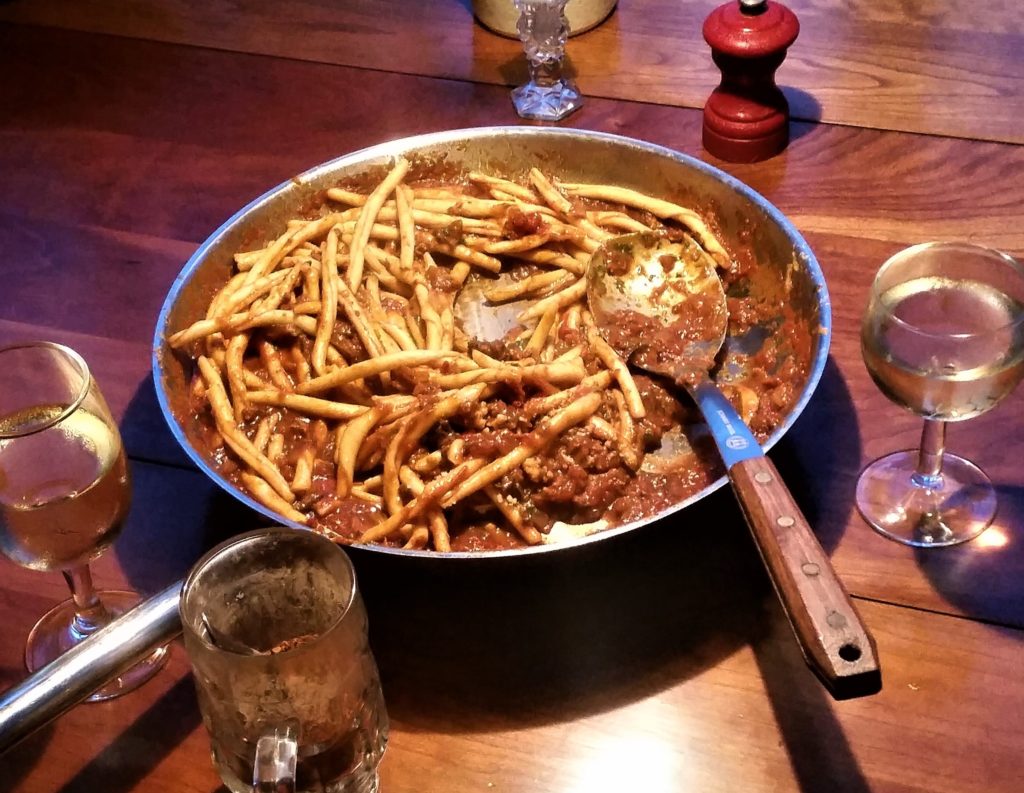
(276, 632)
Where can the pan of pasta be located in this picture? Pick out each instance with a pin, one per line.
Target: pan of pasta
(394, 349)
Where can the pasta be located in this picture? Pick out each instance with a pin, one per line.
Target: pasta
(338, 389)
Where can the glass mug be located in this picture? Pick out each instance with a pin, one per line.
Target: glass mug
(276, 631)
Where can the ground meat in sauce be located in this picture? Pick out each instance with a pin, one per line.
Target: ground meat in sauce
(651, 494)
(349, 518)
(347, 341)
(619, 262)
(665, 410)
(522, 224)
(451, 234)
(440, 280)
(501, 349)
(579, 477)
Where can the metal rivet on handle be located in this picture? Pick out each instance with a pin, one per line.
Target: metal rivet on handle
(785, 521)
(810, 568)
(762, 477)
(836, 620)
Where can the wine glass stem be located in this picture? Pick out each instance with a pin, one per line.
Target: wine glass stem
(90, 613)
(929, 460)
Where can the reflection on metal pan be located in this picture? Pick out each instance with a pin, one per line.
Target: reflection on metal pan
(743, 216)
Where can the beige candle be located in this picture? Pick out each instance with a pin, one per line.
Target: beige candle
(501, 15)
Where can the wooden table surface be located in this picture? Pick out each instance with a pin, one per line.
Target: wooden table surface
(658, 661)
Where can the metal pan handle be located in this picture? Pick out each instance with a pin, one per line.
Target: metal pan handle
(62, 684)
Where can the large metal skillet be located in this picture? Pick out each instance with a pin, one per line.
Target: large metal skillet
(743, 219)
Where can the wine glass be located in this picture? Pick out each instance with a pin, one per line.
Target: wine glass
(549, 95)
(943, 336)
(64, 495)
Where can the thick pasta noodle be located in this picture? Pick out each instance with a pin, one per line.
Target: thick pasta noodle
(334, 384)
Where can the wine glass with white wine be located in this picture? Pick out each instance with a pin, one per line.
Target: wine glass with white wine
(943, 336)
(64, 495)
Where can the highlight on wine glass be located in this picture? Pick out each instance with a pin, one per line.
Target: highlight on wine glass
(543, 29)
(943, 336)
(64, 495)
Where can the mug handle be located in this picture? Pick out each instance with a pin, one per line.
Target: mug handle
(273, 770)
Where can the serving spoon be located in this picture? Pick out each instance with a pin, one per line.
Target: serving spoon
(661, 305)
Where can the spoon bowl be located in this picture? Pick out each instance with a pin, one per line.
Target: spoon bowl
(659, 300)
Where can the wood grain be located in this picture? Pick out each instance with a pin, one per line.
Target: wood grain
(849, 423)
(125, 182)
(918, 67)
(657, 660)
(643, 667)
(198, 147)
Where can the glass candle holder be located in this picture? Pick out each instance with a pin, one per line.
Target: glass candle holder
(549, 95)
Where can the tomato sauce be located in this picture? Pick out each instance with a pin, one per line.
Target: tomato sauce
(578, 478)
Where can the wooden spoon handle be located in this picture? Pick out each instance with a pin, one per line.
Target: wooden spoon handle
(835, 643)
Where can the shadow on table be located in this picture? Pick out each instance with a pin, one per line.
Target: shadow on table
(803, 107)
(819, 457)
(130, 756)
(177, 513)
(126, 762)
(485, 645)
(466, 645)
(145, 432)
(984, 578)
(16, 763)
(166, 534)
(480, 645)
(818, 751)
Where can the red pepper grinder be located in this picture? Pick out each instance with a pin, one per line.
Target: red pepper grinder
(746, 118)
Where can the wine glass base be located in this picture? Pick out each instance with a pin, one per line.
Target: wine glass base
(54, 635)
(547, 102)
(958, 509)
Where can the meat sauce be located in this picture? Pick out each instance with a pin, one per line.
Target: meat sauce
(580, 477)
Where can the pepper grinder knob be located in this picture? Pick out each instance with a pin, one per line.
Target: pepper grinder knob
(746, 118)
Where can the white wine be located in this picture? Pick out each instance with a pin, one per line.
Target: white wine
(947, 349)
(64, 491)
